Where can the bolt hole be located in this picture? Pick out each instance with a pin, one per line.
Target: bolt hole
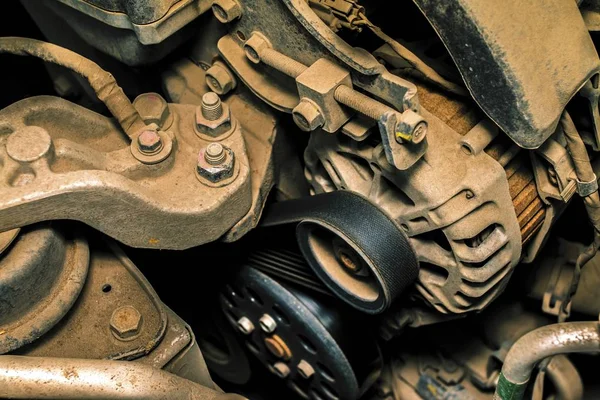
(106, 288)
(254, 296)
(241, 36)
(280, 315)
(307, 344)
(325, 372)
(466, 149)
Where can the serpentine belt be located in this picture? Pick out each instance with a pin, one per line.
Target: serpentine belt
(381, 243)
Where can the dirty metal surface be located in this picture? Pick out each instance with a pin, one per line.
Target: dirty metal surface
(75, 164)
(185, 83)
(113, 282)
(296, 31)
(461, 222)
(41, 276)
(152, 21)
(487, 42)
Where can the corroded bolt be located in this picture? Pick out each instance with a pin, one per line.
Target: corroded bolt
(281, 369)
(125, 322)
(219, 79)
(267, 323)
(245, 325)
(212, 109)
(226, 10)
(149, 142)
(419, 132)
(215, 154)
(258, 49)
(305, 369)
(307, 116)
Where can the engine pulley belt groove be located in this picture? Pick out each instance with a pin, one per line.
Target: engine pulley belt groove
(356, 249)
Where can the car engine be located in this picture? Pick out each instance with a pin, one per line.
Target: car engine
(311, 199)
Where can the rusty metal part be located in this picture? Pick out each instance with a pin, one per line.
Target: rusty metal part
(126, 322)
(217, 165)
(95, 178)
(466, 243)
(152, 21)
(41, 277)
(66, 378)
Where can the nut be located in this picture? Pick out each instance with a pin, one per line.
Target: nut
(149, 142)
(267, 323)
(411, 127)
(215, 127)
(219, 172)
(226, 10)
(281, 369)
(245, 325)
(254, 47)
(125, 322)
(307, 116)
(219, 79)
(305, 369)
(153, 109)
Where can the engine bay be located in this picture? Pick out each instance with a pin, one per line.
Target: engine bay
(312, 199)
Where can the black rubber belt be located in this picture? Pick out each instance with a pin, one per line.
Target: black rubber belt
(388, 251)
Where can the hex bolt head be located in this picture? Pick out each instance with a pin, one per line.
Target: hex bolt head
(419, 133)
(219, 79)
(245, 325)
(153, 109)
(254, 46)
(267, 323)
(226, 10)
(281, 369)
(125, 323)
(215, 154)
(305, 369)
(307, 116)
(411, 128)
(149, 142)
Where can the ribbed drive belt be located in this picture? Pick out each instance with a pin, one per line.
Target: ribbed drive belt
(374, 236)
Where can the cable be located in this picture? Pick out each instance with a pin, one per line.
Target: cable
(101, 81)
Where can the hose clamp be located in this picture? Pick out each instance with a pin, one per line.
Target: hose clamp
(586, 188)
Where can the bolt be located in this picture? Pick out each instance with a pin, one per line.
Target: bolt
(278, 347)
(153, 109)
(307, 116)
(419, 132)
(125, 322)
(221, 171)
(348, 262)
(305, 369)
(281, 370)
(267, 323)
(258, 49)
(361, 103)
(219, 79)
(149, 142)
(245, 326)
(215, 154)
(212, 108)
(226, 10)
